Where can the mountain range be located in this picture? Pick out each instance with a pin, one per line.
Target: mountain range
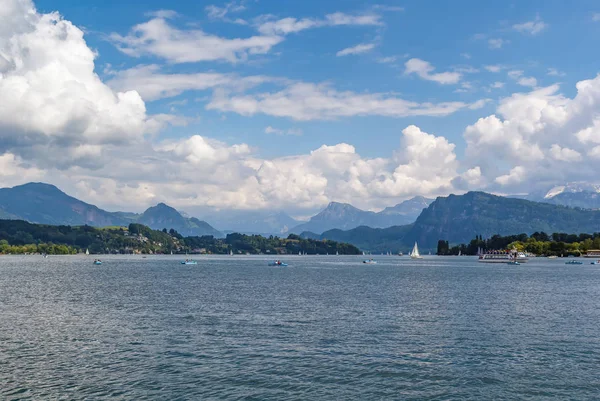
(575, 194)
(264, 222)
(455, 218)
(345, 217)
(46, 204)
(458, 218)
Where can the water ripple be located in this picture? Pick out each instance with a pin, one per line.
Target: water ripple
(328, 329)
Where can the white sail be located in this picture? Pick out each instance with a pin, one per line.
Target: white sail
(87, 252)
(459, 252)
(415, 252)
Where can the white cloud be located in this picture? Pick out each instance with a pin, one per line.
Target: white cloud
(158, 38)
(517, 75)
(497, 85)
(494, 68)
(527, 81)
(56, 98)
(387, 60)
(516, 176)
(596, 17)
(306, 101)
(286, 26)
(466, 56)
(479, 104)
(216, 12)
(151, 84)
(281, 132)
(555, 73)
(564, 154)
(358, 49)
(497, 43)
(424, 70)
(166, 14)
(543, 133)
(531, 27)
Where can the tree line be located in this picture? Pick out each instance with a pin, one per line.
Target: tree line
(20, 237)
(539, 243)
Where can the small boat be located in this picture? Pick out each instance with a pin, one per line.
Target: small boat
(414, 254)
(189, 262)
(573, 262)
(370, 262)
(230, 253)
(514, 262)
(278, 263)
(87, 251)
(97, 262)
(595, 262)
(552, 257)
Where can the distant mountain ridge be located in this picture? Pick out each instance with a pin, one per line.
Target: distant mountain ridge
(46, 204)
(164, 216)
(265, 222)
(344, 216)
(574, 194)
(458, 218)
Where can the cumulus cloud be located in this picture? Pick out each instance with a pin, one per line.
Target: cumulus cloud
(56, 99)
(424, 70)
(542, 136)
(158, 38)
(564, 154)
(96, 144)
(515, 176)
(358, 49)
(306, 101)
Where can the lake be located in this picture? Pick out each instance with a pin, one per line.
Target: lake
(324, 328)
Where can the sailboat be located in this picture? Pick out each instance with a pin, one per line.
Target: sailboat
(87, 252)
(459, 252)
(230, 252)
(414, 254)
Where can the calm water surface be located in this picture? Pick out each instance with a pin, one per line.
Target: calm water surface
(324, 328)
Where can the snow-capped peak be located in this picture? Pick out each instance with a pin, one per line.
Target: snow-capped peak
(555, 191)
(572, 187)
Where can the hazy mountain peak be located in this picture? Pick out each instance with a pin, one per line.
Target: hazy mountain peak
(572, 187)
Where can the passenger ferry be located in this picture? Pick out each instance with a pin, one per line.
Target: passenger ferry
(592, 253)
(503, 257)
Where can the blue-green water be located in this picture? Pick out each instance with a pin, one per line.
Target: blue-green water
(325, 328)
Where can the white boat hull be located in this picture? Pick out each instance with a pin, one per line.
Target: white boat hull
(498, 260)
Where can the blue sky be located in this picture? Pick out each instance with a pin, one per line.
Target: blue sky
(440, 32)
(295, 104)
